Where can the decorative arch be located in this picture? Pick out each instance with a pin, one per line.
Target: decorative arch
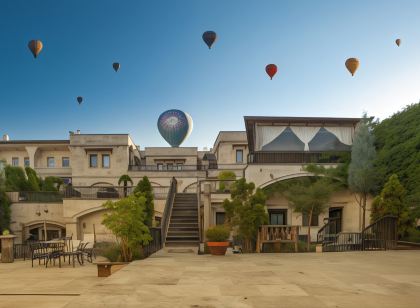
(287, 177)
(190, 186)
(88, 211)
(48, 222)
(101, 184)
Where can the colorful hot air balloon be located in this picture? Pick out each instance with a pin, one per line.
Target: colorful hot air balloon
(35, 46)
(398, 42)
(79, 99)
(271, 70)
(209, 37)
(175, 126)
(116, 66)
(352, 65)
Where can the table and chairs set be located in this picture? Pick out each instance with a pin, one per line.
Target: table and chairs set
(59, 250)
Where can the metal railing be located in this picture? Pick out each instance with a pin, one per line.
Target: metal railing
(263, 157)
(108, 192)
(168, 209)
(21, 251)
(328, 232)
(155, 244)
(166, 168)
(36, 196)
(380, 235)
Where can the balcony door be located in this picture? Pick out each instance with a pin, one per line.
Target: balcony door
(278, 217)
(335, 215)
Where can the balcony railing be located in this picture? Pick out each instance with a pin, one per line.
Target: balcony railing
(296, 157)
(166, 168)
(35, 196)
(108, 192)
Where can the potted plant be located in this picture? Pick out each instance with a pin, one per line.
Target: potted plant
(217, 237)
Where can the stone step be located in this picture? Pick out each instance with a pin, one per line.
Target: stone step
(181, 243)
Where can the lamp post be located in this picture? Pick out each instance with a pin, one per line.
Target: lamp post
(38, 213)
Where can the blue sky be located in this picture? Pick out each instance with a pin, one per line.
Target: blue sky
(165, 64)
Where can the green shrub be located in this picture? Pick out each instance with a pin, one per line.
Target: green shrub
(16, 179)
(217, 234)
(225, 177)
(6, 232)
(111, 251)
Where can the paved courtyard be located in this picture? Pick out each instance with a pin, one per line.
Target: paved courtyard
(356, 279)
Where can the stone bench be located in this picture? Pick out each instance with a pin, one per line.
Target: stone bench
(104, 268)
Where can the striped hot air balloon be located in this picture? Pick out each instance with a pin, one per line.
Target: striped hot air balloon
(175, 126)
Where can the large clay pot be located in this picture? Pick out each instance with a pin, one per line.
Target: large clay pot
(218, 248)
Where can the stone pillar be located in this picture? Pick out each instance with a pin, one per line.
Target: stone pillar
(207, 209)
(71, 230)
(7, 242)
(31, 154)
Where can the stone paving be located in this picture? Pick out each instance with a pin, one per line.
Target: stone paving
(353, 279)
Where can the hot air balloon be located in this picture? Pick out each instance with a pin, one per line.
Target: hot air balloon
(352, 65)
(175, 126)
(398, 42)
(79, 99)
(271, 70)
(209, 37)
(116, 66)
(35, 46)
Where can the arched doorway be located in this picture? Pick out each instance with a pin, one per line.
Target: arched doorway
(36, 231)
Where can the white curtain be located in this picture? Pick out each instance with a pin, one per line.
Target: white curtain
(305, 133)
(266, 134)
(344, 133)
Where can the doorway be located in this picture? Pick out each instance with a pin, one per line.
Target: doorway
(335, 215)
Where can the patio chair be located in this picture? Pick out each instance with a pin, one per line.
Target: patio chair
(55, 251)
(89, 251)
(38, 251)
(74, 253)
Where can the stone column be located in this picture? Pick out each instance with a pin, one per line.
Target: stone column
(7, 242)
(207, 209)
(71, 230)
(31, 154)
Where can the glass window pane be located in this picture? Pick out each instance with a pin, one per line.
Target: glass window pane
(26, 161)
(65, 162)
(15, 161)
(50, 162)
(239, 156)
(220, 218)
(106, 162)
(93, 161)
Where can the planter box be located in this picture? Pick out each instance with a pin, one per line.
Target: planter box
(218, 248)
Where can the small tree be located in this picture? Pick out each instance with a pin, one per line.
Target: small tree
(361, 179)
(224, 177)
(125, 179)
(15, 179)
(51, 183)
(144, 187)
(310, 198)
(34, 182)
(126, 219)
(391, 201)
(246, 211)
(4, 209)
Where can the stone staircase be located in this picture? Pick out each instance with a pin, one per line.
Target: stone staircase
(183, 225)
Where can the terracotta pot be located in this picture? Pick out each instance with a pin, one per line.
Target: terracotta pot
(218, 248)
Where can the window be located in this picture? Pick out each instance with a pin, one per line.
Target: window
(65, 162)
(159, 166)
(278, 217)
(179, 166)
(239, 156)
(15, 161)
(26, 162)
(93, 160)
(305, 220)
(170, 166)
(220, 218)
(2, 164)
(50, 162)
(106, 161)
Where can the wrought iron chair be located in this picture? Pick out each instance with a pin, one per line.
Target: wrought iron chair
(55, 251)
(38, 251)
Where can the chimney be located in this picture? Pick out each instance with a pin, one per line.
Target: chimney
(6, 137)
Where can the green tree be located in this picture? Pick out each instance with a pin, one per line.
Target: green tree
(224, 177)
(310, 198)
(51, 183)
(15, 179)
(362, 176)
(398, 152)
(125, 179)
(4, 205)
(246, 211)
(144, 187)
(34, 182)
(392, 201)
(126, 219)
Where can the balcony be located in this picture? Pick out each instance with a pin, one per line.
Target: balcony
(168, 168)
(60, 172)
(107, 192)
(297, 157)
(35, 196)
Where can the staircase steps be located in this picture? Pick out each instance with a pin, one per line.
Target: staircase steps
(183, 224)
